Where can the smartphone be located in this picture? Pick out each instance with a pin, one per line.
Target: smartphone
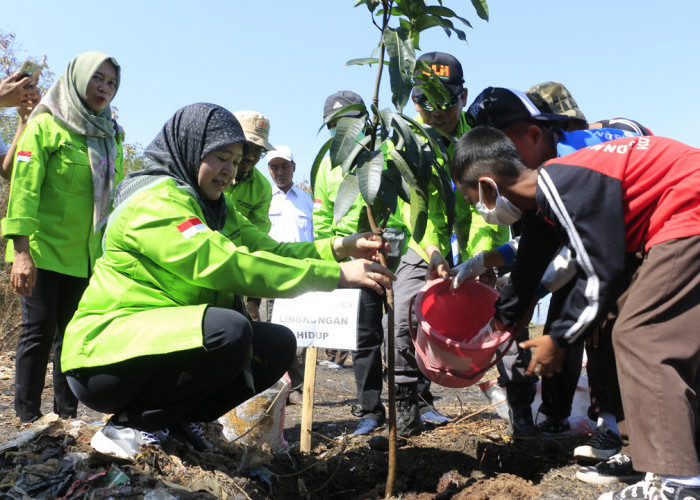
(31, 70)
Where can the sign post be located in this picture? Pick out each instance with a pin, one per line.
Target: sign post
(318, 319)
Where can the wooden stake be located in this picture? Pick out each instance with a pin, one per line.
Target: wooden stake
(307, 407)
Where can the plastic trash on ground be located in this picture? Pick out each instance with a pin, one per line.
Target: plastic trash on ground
(579, 422)
(260, 420)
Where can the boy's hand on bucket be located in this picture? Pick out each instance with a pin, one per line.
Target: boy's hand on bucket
(549, 355)
(469, 269)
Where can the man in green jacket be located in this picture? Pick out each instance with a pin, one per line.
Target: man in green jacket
(438, 246)
(251, 192)
(367, 358)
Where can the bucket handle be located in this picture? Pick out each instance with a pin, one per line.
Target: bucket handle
(447, 371)
(411, 330)
(477, 373)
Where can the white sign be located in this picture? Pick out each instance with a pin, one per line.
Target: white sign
(321, 319)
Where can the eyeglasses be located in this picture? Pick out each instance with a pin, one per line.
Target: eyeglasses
(423, 103)
(256, 151)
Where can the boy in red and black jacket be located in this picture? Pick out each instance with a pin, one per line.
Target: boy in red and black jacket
(605, 202)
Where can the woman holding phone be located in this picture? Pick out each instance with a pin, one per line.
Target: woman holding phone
(67, 163)
(155, 340)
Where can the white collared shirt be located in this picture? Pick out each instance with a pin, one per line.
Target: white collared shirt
(290, 214)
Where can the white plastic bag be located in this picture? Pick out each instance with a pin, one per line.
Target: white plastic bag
(259, 420)
(579, 422)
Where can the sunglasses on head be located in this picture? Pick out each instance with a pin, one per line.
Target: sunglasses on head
(423, 103)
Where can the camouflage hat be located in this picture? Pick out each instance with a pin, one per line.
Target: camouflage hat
(555, 98)
(256, 128)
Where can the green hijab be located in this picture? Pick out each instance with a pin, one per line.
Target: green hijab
(65, 100)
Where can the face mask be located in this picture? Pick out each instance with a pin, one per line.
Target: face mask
(504, 213)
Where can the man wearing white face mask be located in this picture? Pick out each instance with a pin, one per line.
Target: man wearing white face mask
(503, 213)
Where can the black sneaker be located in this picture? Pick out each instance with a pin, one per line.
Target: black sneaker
(617, 468)
(192, 433)
(122, 442)
(553, 427)
(652, 488)
(603, 444)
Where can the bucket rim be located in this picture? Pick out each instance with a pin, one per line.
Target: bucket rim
(501, 337)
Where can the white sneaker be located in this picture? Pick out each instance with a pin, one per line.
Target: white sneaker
(330, 364)
(122, 442)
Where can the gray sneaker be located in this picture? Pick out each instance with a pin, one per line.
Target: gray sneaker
(617, 469)
(122, 442)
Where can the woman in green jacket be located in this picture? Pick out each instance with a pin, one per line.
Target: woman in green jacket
(67, 163)
(155, 340)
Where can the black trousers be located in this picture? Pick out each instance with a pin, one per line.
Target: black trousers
(45, 314)
(197, 385)
(367, 359)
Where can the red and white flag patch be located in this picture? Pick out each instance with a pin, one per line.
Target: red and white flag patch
(24, 156)
(191, 227)
(317, 203)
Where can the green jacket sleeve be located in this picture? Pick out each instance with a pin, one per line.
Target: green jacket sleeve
(483, 236)
(323, 206)
(208, 259)
(36, 145)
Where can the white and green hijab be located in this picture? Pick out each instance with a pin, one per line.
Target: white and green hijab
(65, 100)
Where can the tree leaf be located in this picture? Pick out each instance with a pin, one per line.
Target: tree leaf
(401, 188)
(482, 10)
(403, 167)
(424, 22)
(445, 12)
(444, 187)
(346, 196)
(412, 8)
(402, 61)
(419, 214)
(410, 140)
(360, 106)
(346, 136)
(360, 145)
(384, 125)
(435, 144)
(388, 190)
(371, 4)
(364, 61)
(369, 174)
(317, 162)
(438, 136)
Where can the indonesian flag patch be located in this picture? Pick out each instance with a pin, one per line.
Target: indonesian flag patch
(24, 156)
(191, 227)
(317, 203)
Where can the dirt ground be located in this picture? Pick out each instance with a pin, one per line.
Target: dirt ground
(470, 458)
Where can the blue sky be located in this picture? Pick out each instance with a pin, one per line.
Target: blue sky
(637, 59)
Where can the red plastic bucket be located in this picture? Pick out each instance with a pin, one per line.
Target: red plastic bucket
(448, 320)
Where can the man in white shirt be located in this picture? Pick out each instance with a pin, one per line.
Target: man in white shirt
(291, 217)
(291, 208)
